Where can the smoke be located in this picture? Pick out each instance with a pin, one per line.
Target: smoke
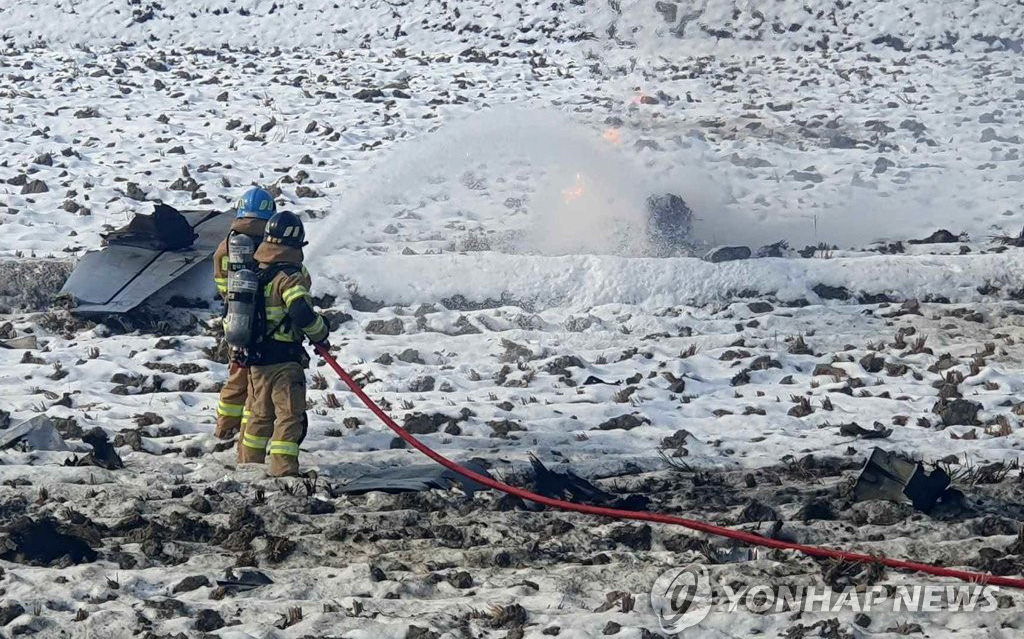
(586, 204)
(559, 186)
(853, 216)
(554, 186)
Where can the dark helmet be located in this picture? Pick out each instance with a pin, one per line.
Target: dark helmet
(257, 203)
(285, 228)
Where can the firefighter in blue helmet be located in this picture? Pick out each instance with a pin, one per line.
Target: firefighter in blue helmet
(252, 212)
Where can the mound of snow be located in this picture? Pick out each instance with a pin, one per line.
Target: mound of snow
(584, 281)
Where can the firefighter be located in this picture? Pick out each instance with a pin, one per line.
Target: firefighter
(252, 212)
(277, 379)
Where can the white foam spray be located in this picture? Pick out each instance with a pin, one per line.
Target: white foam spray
(581, 192)
(555, 186)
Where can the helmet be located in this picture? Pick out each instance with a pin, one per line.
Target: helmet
(257, 203)
(285, 228)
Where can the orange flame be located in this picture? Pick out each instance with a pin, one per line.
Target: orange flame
(612, 135)
(576, 191)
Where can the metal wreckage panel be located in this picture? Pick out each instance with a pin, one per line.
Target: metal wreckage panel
(415, 478)
(119, 277)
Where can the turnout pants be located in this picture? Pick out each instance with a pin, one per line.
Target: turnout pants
(277, 398)
(232, 412)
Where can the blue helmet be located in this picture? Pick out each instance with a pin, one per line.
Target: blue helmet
(256, 202)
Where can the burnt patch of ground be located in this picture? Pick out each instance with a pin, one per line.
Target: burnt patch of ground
(44, 542)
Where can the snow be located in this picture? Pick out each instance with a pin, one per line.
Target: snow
(581, 282)
(491, 200)
(324, 23)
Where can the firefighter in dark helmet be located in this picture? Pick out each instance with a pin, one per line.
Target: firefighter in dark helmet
(252, 212)
(277, 380)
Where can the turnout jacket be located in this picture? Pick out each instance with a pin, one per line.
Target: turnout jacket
(289, 306)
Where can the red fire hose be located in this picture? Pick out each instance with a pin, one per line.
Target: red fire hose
(700, 526)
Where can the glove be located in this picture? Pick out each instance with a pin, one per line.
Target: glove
(324, 344)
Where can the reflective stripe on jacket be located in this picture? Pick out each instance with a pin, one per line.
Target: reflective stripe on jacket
(220, 268)
(290, 314)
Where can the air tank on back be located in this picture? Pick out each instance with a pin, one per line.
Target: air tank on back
(243, 285)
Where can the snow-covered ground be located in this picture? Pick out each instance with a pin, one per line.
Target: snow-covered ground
(474, 179)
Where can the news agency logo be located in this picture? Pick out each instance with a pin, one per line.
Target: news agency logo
(683, 597)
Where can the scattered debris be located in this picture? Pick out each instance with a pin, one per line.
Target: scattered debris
(143, 258)
(37, 433)
(727, 254)
(415, 478)
(102, 455)
(568, 485)
(247, 580)
(165, 230)
(27, 342)
(890, 477)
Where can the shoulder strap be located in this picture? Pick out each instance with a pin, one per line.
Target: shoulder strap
(268, 274)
